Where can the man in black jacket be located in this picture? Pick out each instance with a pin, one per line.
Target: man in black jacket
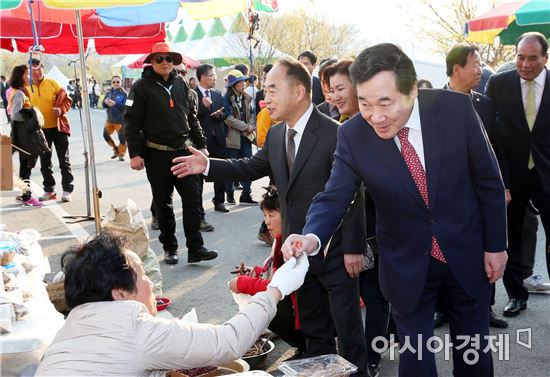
(522, 102)
(309, 59)
(297, 155)
(465, 72)
(3, 89)
(161, 123)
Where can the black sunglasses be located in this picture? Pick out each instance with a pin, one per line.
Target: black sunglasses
(159, 59)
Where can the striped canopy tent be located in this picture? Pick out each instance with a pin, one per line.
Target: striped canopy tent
(509, 20)
(133, 12)
(222, 46)
(112, 13)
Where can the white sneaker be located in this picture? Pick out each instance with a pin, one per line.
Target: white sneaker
(66, 197)
(535, 283)
(48, 195)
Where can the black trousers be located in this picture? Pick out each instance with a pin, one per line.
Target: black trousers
(5, 105)
(61, 143)
(217, 151)
(530, 228)
(328, 306)
(533, 190)
(163, 182)
(284, 325)
(468, 317)
(26, 164)
(377, 310)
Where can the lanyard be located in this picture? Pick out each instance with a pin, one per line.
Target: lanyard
(169, 91)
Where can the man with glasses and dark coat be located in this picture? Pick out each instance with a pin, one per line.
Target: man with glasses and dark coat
(161, 123)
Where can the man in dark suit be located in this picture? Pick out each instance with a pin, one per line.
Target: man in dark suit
(210, 114)
(464, 70)
(309, 59)
(441, 221)
(298, 155)
(522, 102)
(3, 89)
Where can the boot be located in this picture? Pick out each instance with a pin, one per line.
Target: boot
(122, 150)
(115, 148)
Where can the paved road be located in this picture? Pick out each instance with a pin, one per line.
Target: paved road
(203, 286)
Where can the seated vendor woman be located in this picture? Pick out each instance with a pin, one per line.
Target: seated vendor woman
(112, 328)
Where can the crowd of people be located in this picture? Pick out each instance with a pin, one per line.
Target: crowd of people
(409, 199)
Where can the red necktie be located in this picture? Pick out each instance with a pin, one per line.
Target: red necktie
(419, 176)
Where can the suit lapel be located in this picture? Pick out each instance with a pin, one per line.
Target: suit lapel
(279, 156)
(432, 139)
(309, 138)
(392, 158)
(544, 102)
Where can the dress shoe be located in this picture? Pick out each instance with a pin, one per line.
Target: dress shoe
(247, 201)
(496, 321)
(514, 307)
(221, 208)
(206, 226)
(171, 257)
(201, 254)
(439, 319)
(230, 199)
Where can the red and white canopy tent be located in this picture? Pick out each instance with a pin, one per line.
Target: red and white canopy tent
(117, 14)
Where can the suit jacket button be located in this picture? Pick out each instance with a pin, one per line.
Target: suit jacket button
(432, 221)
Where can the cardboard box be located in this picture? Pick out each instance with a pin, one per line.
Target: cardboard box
(6, 167)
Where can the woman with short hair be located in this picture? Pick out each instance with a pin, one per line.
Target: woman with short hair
(112, 328)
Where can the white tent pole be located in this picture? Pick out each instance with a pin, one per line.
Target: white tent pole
(87, 125)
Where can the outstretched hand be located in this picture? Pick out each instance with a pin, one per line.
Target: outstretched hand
(189, 165)
(297, 244)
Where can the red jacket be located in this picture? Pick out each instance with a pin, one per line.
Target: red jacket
(252, 285)
(63, 102)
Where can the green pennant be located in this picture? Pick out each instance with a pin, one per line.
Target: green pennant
(217, 29)
(181, 36)
(240, 24)
(266, 5)
(198, 32)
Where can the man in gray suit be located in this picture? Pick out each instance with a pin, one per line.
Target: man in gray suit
(298, 155)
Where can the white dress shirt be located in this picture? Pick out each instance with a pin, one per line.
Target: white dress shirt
(203, 90)
(299, 127)
(415, 134)
(538, 87)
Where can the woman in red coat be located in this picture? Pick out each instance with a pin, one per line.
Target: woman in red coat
(286, 323)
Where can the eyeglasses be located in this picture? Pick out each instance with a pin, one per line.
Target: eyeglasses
(160, 58)
(115, 82)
